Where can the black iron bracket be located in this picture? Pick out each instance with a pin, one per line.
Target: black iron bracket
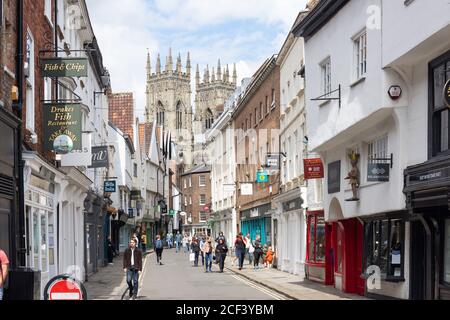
(325, 97)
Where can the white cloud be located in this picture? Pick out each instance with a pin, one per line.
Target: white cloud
(126, 28)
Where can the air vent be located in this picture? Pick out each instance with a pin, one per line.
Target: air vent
(6, 186)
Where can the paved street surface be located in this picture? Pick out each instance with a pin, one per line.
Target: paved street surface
(177, 279)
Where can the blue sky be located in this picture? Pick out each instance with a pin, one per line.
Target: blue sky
(244, 32)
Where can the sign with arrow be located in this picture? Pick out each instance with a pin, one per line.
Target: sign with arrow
(378, 172)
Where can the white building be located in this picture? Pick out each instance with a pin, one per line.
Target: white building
(360, 54)
(289, 222)
(55, 198)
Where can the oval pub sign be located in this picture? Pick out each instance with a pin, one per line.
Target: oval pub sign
(447, 93)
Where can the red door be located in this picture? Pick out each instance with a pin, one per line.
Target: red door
(352, 256)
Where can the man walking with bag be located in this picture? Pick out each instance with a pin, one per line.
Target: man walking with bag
(4, 264)
(132, 265)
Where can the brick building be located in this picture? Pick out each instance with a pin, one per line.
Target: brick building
(257, 122)
(196, 190)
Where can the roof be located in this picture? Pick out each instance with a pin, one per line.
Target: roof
(322, 11)
(202, 168)
(145, 137)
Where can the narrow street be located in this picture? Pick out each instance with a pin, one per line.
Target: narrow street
(177, 279)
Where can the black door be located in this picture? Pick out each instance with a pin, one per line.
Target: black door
(418, 261)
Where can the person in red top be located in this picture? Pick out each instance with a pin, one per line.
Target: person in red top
(4, 264)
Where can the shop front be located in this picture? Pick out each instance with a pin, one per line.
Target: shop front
(427, 189)
(258, 222)
(318, 243)
(289, 229)
(42, 189)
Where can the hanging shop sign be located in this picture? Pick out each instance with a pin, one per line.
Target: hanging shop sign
(109, 186)
(378, 172)
(62, 127)
(273, 162)
(262, 177)
(447, 93)
(100, 157)
(334, 177)
(136, 194)
(246, 189)
(78, 158)
(64, 67)
(313, 168)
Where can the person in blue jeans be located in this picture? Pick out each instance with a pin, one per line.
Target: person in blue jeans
(178, 239)
(208, 250)
(132, 265)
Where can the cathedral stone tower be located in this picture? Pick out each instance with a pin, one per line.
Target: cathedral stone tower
(211, 94)
(169, 102)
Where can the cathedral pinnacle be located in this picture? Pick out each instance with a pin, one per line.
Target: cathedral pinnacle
(188, 65)
(158, 65)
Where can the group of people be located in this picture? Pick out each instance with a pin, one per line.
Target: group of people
(254, 250)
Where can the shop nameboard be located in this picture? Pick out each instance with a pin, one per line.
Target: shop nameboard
(378, 172)
(229, 188)
(62, 127)
(428, 176)
(313, 168)
(64, 67)
(100, 157)
(334, 177)
(447, 93)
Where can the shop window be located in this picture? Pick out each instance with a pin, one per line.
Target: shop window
(385, 247)
(447, 252)
(316, 238)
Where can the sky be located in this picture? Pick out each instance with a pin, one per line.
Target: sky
(245, 32)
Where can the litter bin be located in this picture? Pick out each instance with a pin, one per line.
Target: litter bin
(24, 284)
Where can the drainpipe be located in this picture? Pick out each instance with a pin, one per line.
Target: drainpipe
(20, 217)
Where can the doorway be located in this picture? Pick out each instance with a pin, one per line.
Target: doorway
(418, 261)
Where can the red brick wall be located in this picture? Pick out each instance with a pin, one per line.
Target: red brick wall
(261, 194)
(195, 191)
(121, 112)
(8, 44)
(42, 31)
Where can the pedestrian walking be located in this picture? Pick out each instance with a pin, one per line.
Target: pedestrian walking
(221, 251)
(178, 241)
(208, 251)
(249, 248)
(196, 250)
(136, 239)
(202, 244)
(189, 242)
(111, 251)
(185, 243)
(239, 246)
(170, 240)
(159, 247)
(144, 243)
(132, 266)
(221, 236)
(258, 252)
(4, 265)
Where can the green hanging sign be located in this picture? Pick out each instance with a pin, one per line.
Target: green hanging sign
(262, 177)
(62, 127)
(64, 67)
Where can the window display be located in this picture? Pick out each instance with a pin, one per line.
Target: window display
(316, 238)
(385, 245)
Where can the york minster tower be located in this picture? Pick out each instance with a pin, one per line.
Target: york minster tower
(169, 102)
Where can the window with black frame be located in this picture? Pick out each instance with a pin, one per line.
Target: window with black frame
(385, 247)
(440, 113)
